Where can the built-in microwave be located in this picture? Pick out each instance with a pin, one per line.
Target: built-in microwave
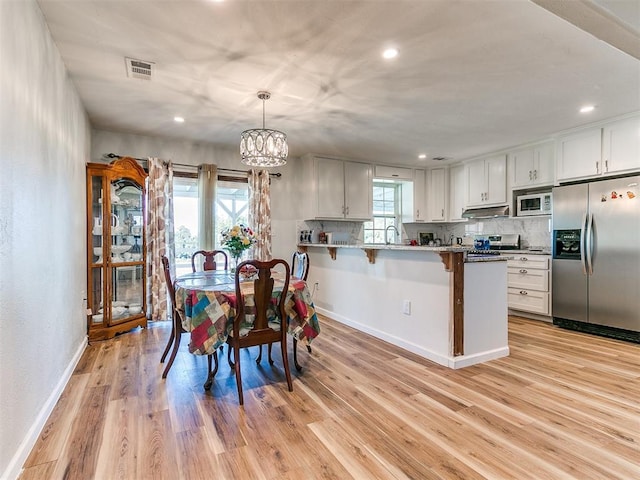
(533, 204)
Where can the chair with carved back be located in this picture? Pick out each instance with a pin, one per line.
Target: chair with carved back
(209, 259)
(176, 327)
(300, 265)
(299, 269)
(264, 331)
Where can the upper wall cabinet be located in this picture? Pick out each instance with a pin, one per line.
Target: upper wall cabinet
(419, 195)
(343, 189)
(621, 146)
(393, 173)
(610, 150)
(579, 154)
(531, 167)
(457, 193)
(436, 192)
(487, 181)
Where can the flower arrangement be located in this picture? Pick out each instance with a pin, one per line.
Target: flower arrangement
(237, 239)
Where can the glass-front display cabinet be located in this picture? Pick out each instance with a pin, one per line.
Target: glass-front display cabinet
(116, 278)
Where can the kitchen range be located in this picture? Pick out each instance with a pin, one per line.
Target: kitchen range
(596, 257)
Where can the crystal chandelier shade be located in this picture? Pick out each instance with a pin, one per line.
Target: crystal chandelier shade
(263, 147)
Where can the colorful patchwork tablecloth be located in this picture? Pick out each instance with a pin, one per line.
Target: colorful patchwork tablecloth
(207, 303)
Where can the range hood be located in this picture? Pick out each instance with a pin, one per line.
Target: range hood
(486, 212)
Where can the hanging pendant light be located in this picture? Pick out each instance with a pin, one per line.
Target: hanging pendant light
(263, 147)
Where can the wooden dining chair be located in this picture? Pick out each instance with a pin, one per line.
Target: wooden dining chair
(299, 269)
(263, 331)
(300, 265)
(209, 259)
(176, 326)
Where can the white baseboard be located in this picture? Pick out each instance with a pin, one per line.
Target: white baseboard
(468, 360)
(399, 342)
(14, 469)
(444, 360)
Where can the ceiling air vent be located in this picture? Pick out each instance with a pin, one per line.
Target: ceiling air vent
(439, 159)
(138, 68)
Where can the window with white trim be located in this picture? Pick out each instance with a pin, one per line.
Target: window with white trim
(386, 213)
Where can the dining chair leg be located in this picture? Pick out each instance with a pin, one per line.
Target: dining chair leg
(259, 357)
(212, 373)
(231, 364)
(270, 359)
(295, 355)
(285, 363)
(176, 346)
(236, 358)
(169, 342)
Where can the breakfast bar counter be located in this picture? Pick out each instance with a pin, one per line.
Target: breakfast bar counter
(437, 302)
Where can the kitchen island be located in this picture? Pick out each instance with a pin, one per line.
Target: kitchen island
(433, 301)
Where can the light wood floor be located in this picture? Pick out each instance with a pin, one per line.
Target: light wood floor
(562, 405)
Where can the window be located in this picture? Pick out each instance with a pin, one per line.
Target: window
(386, 212)
(232, 207)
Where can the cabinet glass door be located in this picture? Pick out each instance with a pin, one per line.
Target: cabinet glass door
(127, 285)
(97, 253)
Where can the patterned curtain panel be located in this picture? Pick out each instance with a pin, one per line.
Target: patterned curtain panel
(207, 185)
(260, 213)
(160, 241)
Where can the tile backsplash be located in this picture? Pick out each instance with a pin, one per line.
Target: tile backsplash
(534, 231)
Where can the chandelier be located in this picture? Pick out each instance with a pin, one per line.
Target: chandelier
(263, 147)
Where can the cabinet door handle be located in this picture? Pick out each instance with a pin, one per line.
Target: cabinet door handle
(442, 213)
(523, 292)
(535, 174)
(597, 167)
(522, 270)
(418, 213)
(530, 175)
(606, 166)
(347, 210)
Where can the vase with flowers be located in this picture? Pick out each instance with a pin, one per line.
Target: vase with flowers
(236, 240)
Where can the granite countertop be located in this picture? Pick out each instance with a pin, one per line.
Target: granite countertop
(379, 246)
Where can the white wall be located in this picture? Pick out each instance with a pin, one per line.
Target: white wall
(283, 190)
(44, 144)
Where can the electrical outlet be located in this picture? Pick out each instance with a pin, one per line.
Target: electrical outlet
(317, 286)
(406, 307)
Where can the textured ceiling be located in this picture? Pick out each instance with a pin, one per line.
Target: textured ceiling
(472, 76)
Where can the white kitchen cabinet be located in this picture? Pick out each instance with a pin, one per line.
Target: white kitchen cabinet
(528, 284)
(344, 189)
(457, 193)
(419, 195)
(593, 152)
(579, 154)
(436, 194)
(393, 173)
(621, 146)
(532, 166)
(487, 181)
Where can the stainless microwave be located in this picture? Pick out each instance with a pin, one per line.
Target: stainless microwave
(533, 204)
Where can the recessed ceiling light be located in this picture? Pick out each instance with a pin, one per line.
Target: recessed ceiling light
(390, 53)
(178, 119)
(422, 156)
(587, 109)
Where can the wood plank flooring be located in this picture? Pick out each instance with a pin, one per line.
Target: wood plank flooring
(563, 405)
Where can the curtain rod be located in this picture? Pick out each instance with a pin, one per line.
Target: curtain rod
(113, 155)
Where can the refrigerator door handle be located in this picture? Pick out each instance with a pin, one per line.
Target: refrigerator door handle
(588, 244)
(583, 242)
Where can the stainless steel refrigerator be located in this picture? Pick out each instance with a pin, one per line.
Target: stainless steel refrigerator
(596, 257)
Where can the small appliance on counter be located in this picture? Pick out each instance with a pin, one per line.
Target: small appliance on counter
(485, 245)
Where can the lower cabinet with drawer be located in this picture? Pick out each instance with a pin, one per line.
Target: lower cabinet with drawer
(528, 282)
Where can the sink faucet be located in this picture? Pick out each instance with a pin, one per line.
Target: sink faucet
(386, 231)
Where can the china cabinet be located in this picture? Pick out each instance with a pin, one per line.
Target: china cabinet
(116, 283)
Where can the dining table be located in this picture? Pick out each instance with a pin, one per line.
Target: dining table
(207, 303)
